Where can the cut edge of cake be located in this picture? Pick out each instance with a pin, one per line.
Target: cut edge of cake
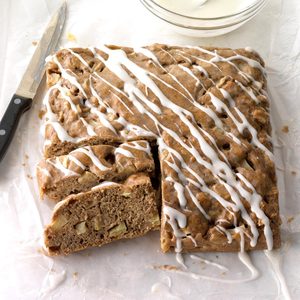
(109, 212)
(86, 167)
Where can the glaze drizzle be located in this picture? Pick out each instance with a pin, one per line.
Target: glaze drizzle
(200, 145)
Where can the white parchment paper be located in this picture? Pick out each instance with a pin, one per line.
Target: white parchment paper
(132, 269)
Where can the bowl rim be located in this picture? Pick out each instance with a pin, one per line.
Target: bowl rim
(246, 17)
(256, 3)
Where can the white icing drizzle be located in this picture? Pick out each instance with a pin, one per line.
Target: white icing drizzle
(253, 132)
(52, 119)
(249, 49)
(124, 152)
(51, 282)
(114, 63)
(183, 179)
(139, 131)
(215, 144)
(89, 152)
(230, 178)
(78, 57)
(193, 240)
(196, 202)
(248, 91)
(179, 190)
(44, 171)
(219, 168)
(150, 55)
(180, 260)
(76, 161)
(58, 165)
(129, 84)
(64, 74)
(275, 260)
(201, 184)
(138, 146)
(189, 72)
(251, 62)
(103, 184)
(89, 128)
(202, 70)
(163, 288)
(234, 138)
(184, 57)
(206, 110)
(202, 60)
(208, 262)
(190, 96)
(177, 220)
(73, 80)
(241, 126)
(243, 257)
(217, 58)
(102, 117)
(255, 200)
(62, 133)
(169, 54)
(147, 53)
(226, 232)
(242, 238)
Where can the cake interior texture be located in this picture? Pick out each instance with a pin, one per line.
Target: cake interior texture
(203, 112)
(108, 212)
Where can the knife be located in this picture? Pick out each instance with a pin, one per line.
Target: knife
(22, 100)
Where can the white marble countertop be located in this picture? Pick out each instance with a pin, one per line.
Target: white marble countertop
(126, 269)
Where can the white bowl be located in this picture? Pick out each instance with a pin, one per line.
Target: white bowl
(203, 27)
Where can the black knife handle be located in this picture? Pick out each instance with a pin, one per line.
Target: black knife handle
(10, 120)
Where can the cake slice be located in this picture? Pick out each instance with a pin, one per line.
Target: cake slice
(87, 166)
(109, 212)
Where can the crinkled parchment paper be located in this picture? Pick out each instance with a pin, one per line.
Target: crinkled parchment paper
(136, 269)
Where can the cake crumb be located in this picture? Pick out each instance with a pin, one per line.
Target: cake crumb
(71, 37)
(290, 219)
(167, 268)
(34, 43)
(43, 251)
(75, 275)
(285, 129)
(26, 156)
(294, 173)
(23, 164)
(29, 176)
(41, 113)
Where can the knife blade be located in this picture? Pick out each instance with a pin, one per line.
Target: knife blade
(21, 101)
